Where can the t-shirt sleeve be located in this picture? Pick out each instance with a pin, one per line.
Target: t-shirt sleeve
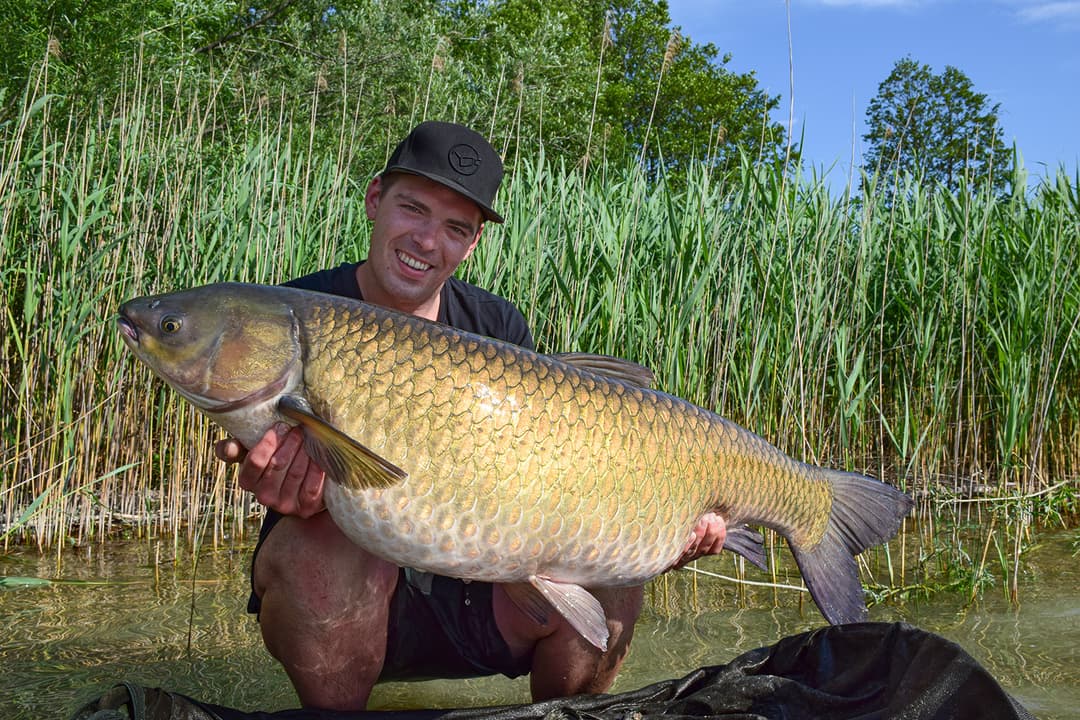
(472, 309)
(340, 280)
(517, 330)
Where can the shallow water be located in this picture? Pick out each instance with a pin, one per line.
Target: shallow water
(139, 612)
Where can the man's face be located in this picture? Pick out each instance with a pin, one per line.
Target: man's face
(421, 232)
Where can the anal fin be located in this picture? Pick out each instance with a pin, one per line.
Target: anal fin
(749, 543)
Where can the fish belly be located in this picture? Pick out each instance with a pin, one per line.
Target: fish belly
(510, 546)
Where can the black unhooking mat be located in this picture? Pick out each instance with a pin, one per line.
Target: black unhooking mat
(865, 670)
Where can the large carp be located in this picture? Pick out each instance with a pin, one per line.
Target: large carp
(460, 455)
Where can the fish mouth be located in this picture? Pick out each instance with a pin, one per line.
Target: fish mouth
(128, 329)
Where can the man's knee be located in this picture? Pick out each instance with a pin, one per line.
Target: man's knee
(325, 607)
(311, 562)
(622, 606)
(564, 663)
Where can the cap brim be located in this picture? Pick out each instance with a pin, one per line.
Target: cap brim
(486, 211)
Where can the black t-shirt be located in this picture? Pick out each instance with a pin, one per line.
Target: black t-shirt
(461, 305)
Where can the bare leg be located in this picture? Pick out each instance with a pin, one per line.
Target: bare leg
(325, 609)
(564, 663)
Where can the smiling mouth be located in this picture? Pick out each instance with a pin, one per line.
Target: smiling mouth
(413, 262)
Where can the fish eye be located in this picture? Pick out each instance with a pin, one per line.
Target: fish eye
(170, 324)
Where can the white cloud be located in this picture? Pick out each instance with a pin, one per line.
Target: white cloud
(1032, 11)
(1049, 11)
(870, 3)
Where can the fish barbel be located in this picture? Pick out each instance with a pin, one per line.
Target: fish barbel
(468, 457)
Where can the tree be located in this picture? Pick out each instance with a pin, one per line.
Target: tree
(678, 98)
(86, 42)
(935, 127)
(611, 78)
(589, 81)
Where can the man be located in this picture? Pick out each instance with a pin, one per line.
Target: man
(340, 619)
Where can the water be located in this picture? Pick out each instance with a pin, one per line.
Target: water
(142, 613)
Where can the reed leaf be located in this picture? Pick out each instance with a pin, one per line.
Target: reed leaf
(926, 337)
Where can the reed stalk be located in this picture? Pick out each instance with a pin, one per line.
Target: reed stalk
(925, 337)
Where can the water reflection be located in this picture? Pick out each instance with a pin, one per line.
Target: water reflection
(143, 613)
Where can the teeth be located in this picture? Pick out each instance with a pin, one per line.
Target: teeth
(412, 262)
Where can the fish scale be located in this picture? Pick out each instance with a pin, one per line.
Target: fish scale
(465, 456)
(494, 402)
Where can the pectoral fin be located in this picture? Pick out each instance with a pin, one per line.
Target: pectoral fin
(580, 608)
(345, 461)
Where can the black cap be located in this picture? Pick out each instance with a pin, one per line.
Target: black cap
(454, 156)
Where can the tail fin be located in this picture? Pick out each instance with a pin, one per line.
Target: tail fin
(865, 512)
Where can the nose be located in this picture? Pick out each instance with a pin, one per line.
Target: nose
(426, 235)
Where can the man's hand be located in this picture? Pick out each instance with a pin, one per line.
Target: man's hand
(708, 539)
(278, 471)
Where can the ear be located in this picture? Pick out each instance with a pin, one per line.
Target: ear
(373, 196)
(475, 242)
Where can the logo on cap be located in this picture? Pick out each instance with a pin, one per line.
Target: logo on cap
(464, 159)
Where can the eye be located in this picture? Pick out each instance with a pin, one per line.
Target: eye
(460, 234)
(170, 324)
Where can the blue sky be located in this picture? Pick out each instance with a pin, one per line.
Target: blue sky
(1023, 54)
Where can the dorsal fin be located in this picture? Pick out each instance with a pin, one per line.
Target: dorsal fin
(612, 367)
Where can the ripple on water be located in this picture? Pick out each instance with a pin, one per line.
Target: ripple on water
(65, 642)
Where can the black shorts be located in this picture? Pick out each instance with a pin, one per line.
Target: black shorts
(446, 630)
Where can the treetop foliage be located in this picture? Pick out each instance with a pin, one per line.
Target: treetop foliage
(584, 80)
(935, 127)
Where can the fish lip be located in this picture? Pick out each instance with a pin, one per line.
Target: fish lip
(128, 329)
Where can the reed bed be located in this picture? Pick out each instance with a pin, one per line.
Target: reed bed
(925, 337)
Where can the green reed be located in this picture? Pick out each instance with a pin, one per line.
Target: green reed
(930, 339)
